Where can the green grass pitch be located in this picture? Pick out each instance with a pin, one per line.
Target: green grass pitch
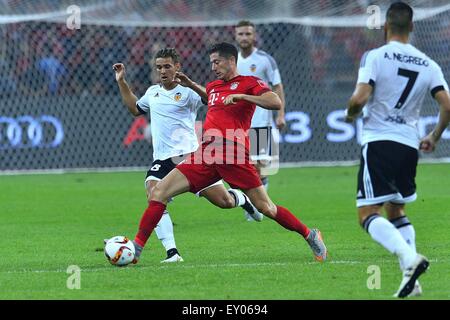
(50, 222)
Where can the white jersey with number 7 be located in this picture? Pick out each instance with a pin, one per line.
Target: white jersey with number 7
(401, 76)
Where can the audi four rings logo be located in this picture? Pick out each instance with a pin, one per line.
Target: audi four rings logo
(30, 132)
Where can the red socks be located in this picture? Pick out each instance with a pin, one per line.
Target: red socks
(155, 210)
(285, 218)
(149, 220)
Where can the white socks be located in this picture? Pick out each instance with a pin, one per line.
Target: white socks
(386, 234)
(407, 231)
(409, 234)
(164, 231)
(238, 196)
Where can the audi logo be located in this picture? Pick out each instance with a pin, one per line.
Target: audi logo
(30, 132)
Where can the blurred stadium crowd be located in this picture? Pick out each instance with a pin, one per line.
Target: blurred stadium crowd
(44, 58)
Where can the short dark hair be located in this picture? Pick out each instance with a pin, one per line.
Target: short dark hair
(245, 23)
(224, 49)
(168, 53)
(399, 17)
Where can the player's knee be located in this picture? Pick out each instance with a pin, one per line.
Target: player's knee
(367, 213)
(394, 211)
(149, 194)
(228, 203)
(158, 194)
(267, 209)
(361, 219)
(225, 202)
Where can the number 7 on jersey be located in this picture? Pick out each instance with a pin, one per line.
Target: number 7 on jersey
(412, 77)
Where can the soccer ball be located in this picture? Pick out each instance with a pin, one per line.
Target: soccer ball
(119, 251)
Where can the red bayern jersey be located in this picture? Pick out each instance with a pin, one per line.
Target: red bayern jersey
(228, 121)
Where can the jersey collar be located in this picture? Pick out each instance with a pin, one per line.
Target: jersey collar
(253, 52)
(162, 87)
(232, 79)
(398, 42)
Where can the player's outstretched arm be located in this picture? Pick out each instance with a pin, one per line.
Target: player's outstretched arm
(280, 120)
(358, 100)
(128, 97)
(185, 81)
(428, 143)
(268, 100)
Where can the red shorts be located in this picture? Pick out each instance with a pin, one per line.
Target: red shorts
(212, 162)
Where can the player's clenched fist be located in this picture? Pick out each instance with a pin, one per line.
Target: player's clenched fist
(119, 68)
(233, 98)
(428, 143)
(182, 79)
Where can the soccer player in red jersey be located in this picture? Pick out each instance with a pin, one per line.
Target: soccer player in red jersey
(224, 153)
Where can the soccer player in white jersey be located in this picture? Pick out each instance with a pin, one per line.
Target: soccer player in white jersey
(392, 83)
(172, 110)
(255, 62)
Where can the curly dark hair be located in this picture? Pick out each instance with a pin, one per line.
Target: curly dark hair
(168, 53)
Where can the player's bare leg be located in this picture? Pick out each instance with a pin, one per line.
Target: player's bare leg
(260, 165)
(259, 197)
(164, 229)
(265, 181)
(219, 196)
(231, 198)
(386, 234)
(396, 215)
(173, 184)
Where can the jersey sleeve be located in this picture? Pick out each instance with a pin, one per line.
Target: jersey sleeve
(438, 82)
(257, 87)
(368, 68)
(208, 87)
(196, 101)
(142, 104)
(273, 74)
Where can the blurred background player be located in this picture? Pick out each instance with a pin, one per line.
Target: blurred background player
(172, 109)
(255, 62)
(232, 99)
(392, 83)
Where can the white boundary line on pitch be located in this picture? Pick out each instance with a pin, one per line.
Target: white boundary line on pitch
(182, 265)
(304, 164)
(191, 266)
